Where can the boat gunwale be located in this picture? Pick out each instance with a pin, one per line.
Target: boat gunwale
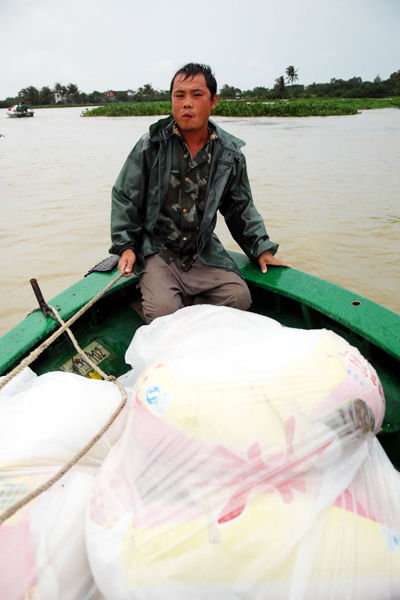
(373, 322)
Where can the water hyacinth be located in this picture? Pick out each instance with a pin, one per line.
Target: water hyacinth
(303, 107)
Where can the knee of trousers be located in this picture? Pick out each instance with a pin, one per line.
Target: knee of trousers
(235, 295)
(159, 307)
(241, 297)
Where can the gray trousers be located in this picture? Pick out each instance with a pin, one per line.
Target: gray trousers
(165, 288)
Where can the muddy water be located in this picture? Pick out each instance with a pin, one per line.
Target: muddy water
(328, 189)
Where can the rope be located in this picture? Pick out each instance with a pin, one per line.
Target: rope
(37, 352)
(64, 326)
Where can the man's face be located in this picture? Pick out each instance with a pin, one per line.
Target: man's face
(191, 102)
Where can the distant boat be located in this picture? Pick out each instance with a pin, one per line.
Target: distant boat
(14, 113)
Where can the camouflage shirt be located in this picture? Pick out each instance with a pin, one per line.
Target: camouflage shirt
(180, 217)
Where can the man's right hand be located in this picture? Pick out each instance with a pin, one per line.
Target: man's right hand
(126, 262)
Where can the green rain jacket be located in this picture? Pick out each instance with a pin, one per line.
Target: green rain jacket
(142, 185)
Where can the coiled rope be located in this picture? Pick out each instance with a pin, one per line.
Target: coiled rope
(64, 327)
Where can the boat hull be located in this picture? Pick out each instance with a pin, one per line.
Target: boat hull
(20, 115)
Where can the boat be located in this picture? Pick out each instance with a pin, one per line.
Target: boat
(292, 297)
(13, 113)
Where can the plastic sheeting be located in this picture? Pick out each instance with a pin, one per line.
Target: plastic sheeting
(44, 422)
(248, 468)
(245, 466)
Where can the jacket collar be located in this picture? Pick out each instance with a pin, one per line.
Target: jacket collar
(162, 130)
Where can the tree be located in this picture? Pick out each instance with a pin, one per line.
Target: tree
(73, 93)
(61, 89)
(96, 97)
(279, 87)
(146, 93)
(291, 75)
(355, 82)
(395, 76)
(121, 96)
(260, 92)
(46, 96)
(394, 83)
(30, 95)
(229, 91)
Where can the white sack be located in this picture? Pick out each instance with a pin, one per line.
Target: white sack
(44, 421)
(248, 468)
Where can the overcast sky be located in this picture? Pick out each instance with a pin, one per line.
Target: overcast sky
(101, 44)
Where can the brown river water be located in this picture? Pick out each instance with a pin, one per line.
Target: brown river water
(327, 187)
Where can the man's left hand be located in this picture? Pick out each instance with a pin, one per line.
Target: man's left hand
(266, 258)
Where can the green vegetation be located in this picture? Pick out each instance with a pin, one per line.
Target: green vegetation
(336, 88)
(354, 88)
(129, 109)
(291, 76)
(279, 88)
(285, 108)
(61, 95)
(304, 107)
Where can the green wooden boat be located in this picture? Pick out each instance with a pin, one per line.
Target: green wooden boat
(292, 297)
(13, 113)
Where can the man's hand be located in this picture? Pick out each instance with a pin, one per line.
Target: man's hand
(266, 258)
(126, 262)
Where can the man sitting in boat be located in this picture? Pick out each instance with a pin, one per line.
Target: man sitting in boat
(165, 200)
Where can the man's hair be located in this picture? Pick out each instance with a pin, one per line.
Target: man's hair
(192, 69)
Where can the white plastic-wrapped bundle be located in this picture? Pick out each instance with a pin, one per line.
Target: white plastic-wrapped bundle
(248, 468)
(44, 422)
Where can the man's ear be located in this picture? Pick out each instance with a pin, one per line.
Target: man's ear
(214, 101)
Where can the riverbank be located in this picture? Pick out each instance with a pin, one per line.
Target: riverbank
(305, 107)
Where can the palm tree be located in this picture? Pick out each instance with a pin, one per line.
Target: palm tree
(291, 75)
(72, 92)
(280, 86)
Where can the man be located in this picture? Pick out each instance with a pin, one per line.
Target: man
(165, 202)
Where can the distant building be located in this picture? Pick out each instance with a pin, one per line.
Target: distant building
(60, 98)
(110, 96)
(116, 95)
